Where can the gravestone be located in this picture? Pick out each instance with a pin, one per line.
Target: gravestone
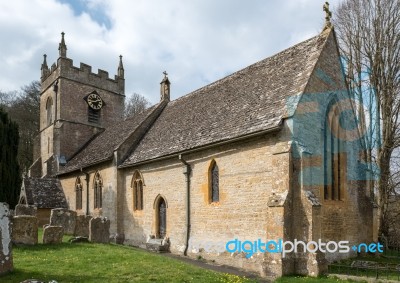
(99, 230)
(65, 218)
(82, 225)
(22, 209)
(6, 261)
(25, 230)
(53, 234)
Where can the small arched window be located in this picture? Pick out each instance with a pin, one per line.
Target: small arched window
(98, 190)
(49, 111)
(137, 186)
(78, 194)
(214, 182)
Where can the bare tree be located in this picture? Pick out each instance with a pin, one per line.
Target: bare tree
(369, 38)
(6, 99)
(136, 104)
(24, 110)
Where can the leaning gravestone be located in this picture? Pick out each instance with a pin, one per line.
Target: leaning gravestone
(25, 230)
(22, 209)
(53, 234)
(65, 218)
(99, 230)
(6, 262)
(82, 225)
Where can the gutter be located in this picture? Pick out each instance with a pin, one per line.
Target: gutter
(186, 172)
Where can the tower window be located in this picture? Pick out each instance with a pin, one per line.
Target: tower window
(93, 115)
(49, 111)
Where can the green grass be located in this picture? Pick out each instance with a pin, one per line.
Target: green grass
(87, 262)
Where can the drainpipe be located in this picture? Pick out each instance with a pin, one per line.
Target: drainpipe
(55, 89)
(186, 172)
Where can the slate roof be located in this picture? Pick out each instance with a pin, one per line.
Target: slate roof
(102, 147)
(251, 100)
(44, 192)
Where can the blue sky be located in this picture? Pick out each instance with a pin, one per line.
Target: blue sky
(197, 41)
(97, 13)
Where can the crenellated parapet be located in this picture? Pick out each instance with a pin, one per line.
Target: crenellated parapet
(64, 68)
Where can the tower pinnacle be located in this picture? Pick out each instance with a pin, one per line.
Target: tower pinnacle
(62, 48)
(44, 68)
(120, 68)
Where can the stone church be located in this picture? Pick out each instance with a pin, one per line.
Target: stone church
(269, 152)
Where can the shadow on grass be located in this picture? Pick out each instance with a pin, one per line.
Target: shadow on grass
(69, 246)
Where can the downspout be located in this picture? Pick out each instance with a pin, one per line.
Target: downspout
(87, 178)
(186, 172)
(55, 89)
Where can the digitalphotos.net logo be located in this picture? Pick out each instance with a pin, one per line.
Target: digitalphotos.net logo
(285, 247)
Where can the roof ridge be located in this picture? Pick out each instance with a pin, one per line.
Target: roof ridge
(243, 69)
(158, 109)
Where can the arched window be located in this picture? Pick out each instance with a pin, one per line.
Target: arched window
(98, 190)
(137, 186)
(78, 193)
(332, 159)
(214, 182)
(49, 110)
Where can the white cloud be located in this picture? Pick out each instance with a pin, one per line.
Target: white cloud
(196, 41)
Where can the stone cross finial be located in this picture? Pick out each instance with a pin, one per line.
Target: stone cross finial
(165, 87)
(328, 16)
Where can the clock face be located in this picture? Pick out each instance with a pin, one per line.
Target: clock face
(94, 101)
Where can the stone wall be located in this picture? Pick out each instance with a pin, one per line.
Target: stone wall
(249, 172)
(6, 258)
(108, 174)
(109, 114)
(336, 219)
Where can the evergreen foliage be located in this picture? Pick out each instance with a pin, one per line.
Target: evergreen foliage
(10, 177)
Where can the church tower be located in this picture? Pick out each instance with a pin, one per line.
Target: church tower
(75, 105)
